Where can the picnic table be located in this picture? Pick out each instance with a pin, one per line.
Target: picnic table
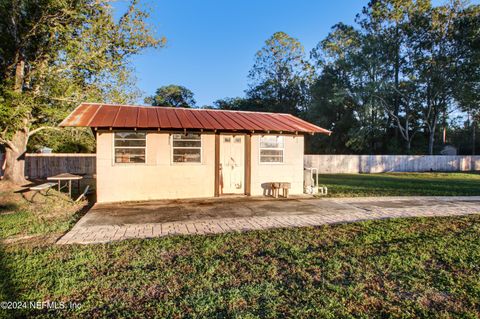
(67, 178)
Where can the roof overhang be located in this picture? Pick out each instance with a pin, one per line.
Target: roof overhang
(113, 116)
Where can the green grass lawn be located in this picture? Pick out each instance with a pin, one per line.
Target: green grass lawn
(401, 184)
(408, 268)
(390, 268)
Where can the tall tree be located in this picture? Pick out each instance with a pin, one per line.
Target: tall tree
(172, 95)
(359, 61)
(54, 54)
(334, 104)
(434, 67)
(281, 74)
(332, 109)
(389, 23)
(405, 66)
(467, 72)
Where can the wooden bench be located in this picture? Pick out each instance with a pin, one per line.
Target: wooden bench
(41, 187)
(276, 186)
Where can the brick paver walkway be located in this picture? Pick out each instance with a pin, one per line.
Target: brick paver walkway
(325, 211)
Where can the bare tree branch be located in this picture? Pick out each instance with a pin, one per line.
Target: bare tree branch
(42, 128)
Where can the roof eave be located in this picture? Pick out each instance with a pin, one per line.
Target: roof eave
(84, 115)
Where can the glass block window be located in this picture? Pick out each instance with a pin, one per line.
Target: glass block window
(187, 148)
(130, 147)
(271, 149)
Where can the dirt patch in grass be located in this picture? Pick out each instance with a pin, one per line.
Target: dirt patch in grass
(24, 213)
(31, 240)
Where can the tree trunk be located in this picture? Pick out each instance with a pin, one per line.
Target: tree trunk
(396, 110)
(444, 124)
(431, 139)
(474, 125)
(19, 76)
(16, 148)
(15, 158)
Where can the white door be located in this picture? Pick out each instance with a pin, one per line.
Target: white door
(232, 164)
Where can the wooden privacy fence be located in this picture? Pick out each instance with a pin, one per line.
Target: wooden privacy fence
(44, 165)
(391, 163)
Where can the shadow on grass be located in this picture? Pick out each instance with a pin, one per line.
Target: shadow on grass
(8, 208)
(9, 292)
(39, 194)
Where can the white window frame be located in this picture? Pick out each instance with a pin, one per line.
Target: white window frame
(260, 148)
(133, 147)
(172, 148)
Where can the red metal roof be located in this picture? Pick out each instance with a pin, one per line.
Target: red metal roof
(153, 117)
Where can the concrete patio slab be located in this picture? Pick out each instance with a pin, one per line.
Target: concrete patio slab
(110, 222)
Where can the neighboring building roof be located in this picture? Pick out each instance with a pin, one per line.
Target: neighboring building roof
(98, 115)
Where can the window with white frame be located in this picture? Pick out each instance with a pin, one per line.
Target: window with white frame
(130, 147)
(187, 148)
(271, 149)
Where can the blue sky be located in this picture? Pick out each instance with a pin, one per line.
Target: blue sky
(211, 43)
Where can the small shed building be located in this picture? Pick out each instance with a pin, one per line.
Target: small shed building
(147, 152)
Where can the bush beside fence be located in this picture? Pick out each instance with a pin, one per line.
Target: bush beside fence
(391, 163)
